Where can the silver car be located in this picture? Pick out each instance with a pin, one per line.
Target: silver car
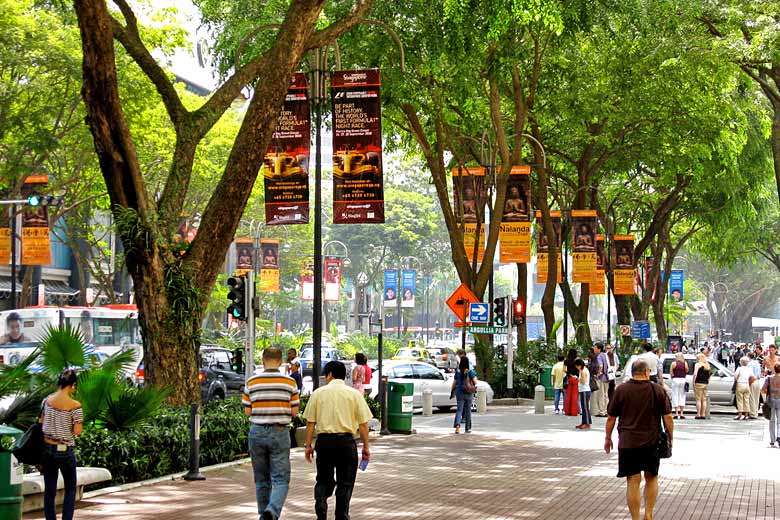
(424, 375)
(721, 380)
(444, 358)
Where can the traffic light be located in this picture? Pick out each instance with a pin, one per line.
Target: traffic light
(43, 200)
(34, 200)
(237, 295)
(499, 312)
(518, 311)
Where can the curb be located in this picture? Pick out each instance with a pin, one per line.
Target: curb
(511, 401)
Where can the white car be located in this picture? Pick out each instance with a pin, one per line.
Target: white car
(422, 375)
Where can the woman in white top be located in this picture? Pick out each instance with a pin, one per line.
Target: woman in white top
(62, 419)
(744, 378)
(584, 388)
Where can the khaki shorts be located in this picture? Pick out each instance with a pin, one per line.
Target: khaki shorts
(700, 391)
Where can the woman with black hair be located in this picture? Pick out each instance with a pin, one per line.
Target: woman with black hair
(571, 403)
(359, 373)
(62, 419)
(464, 387)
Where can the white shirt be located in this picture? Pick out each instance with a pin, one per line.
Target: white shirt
(652, 361)
(742, 375)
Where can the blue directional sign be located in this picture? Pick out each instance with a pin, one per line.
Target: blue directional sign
(479, 313)
(640, 330)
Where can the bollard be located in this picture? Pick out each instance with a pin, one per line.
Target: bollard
(194, 471)
(481, 401)
(707, 414)
(427, 401)
(539, 399)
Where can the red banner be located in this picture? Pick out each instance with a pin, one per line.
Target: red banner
(332, 279)
(307, 280)
(245, 255)
(286, 162)
(358, 191)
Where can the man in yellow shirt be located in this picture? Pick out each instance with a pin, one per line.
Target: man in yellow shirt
(336, 411)
(558, 374)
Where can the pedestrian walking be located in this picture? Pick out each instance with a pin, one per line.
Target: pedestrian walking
(614, 365)
(292, 355)
(755, 386)
(602, 367)
(336, 411)
(464, 386)
(743, 379)
(295, 373)
(649, 357)
(585, 393)
(593, 370)
(771, 390)
(359, 373)
(558, 376)
(571, 405)
(641, 407)
(270, 401)
(678, 370)
(61, 419)
(701, 381)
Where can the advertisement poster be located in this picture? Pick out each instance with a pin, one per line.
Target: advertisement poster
(269, 265)
(332, 279)
(286, 162)
(5, 236)
(307, 280)
(598, 285)
(36, 242)
(543, 250)
(584, 226)
(515, 230)
(676, 285)
(623, 264)
(245, 255)
(358, 192)
(468, 186)
(390, 297)
(408, 285)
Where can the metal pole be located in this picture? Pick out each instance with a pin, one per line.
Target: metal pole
(609, 296)
(318, 79)
(398, 297)
(14, 299)
(428, 314)
(510, 355)
(194, 470)
(249, 358)
(382, 388)
(565, 305)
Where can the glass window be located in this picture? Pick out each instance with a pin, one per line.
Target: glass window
(112, 331)
(427, 372)
(403, 371)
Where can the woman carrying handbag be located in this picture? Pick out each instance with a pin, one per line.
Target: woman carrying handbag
(771, 390)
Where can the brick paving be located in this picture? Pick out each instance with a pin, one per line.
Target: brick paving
(526, 467)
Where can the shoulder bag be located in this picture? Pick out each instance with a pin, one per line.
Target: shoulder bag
(766, 408)
(468, 385)
(662, 448)
(593, 382)
(29, 448)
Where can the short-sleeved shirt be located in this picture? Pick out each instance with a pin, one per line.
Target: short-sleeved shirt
(603, 362)
(337, 408)
(558, 373)
(272, 396)
(652, 362)
(58, 424)
(459, 379)
(639, 422)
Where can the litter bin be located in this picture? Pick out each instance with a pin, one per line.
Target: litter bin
(11, 476)
(400, 401)
(545, 379)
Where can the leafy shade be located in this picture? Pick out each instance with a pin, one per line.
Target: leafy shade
(133, 406)
(62, 347)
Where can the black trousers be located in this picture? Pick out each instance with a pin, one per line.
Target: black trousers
(335, 452)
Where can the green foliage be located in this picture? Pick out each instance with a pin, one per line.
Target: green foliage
(525, 373)
(367, 344)
(62, 347)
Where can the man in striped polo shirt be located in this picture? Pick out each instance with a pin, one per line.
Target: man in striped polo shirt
(271, 401)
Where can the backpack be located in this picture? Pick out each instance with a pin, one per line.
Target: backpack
(366, 375)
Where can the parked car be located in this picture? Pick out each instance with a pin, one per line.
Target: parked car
(444, 358)
(327, 353)
(422, 375)
(220, 375)
(414, 354)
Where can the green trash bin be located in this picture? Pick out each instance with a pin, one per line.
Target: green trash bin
(545, 379)
(400, 404)
(11, 476)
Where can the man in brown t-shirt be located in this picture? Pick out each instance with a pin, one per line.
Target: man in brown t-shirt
(640, 405)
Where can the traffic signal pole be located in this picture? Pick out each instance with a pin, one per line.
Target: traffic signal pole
(249, 357)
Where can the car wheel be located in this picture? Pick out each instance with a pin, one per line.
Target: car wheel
(218, 395)
(444, 408)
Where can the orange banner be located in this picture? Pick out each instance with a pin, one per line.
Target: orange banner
(623, 264)
(36, 246)
(584, 225)
(269, 262)
(5, 237)
(542, 270)
(515, 229)
(245, 255)
(598, 284)
(515, 242)
(469, 240)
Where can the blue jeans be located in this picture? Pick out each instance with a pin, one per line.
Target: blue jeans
(585, 407)
(269, 447)
(463, 413)
(53, 462)
(559, 392)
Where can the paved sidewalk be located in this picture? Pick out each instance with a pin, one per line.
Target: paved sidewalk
(526, 467)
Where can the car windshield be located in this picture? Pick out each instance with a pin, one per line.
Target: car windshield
(308, 353)
(407, 352)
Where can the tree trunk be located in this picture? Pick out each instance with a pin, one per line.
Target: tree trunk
(774, 141)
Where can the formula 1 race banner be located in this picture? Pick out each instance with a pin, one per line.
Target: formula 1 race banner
(332, 279)
(245, 255)
(390, 298)
(269, 265)
(515, 230)
(408, 285)
(468, 186)
(543, 249)
(286, 162)
(623, 264)
(358, 191)
(5, 236)
(307, 280)
(583, 225)
(36, 241)
(598, 285)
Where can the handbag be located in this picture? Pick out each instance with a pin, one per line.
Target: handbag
(28, 448)
(468, 385)
(662, 448)
(766, 409)
(593, 382)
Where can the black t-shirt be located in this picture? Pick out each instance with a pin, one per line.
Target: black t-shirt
(639, 423)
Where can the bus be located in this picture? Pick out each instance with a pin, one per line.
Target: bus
(106, 329)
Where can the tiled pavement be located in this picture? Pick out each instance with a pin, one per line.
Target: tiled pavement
(527, 467)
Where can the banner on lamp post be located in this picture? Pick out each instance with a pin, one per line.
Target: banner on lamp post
(307, 280)
(623, 264)
(390, 298)
(269, 265)
(408, 286)
(515, 229)
(598, 285)
(677, 284)
(245, 255)
(584, 225)
(286, 162)
(5, 236)
(332, 279)
(468, 186)
(36, 241)
(358, 190)
(543, 249)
